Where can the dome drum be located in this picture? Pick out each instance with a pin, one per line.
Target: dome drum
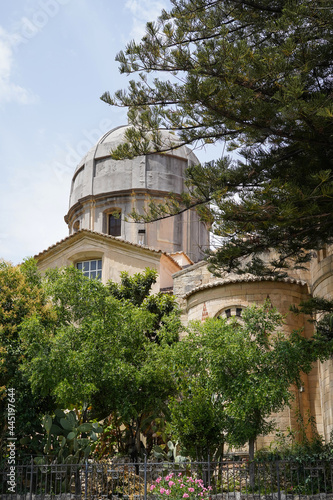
(102, 185)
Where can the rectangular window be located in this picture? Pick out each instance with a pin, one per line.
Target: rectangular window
(115, 224)
(91, 268)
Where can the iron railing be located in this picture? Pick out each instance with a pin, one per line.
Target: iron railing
(119, 480)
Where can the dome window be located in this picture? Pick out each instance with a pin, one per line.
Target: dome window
(91, 268)
(114, 224)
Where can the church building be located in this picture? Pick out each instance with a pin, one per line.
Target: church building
(102, 242)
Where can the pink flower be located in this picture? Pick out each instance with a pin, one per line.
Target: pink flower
(180, 474)
(210, 488)
(167, 492)
(162, 490)
(171, 483)
(159, 479)
(182, 486)
(191, 490)
(152, 487)
(185, 495)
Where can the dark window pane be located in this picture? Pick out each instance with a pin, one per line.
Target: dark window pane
(93, 274)
(85, 266)
(114, 225)
(99, 275)
(228, 313)
(99, 265)
(79, 266)
(93, 265)
(238, 311)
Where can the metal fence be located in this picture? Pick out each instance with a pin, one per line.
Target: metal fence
(224, 480)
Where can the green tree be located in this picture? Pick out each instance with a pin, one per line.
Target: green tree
(98, 352)
(164, 307)
(21, 296)
(255, 75)
(249, 366)
(198, 420)
(323, 308)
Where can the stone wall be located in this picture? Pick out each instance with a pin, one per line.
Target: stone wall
(322, 286)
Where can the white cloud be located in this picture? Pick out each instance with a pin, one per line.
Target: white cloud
(10, 91)
(142, 12)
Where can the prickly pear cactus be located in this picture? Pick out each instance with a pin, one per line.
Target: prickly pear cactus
(68, 441)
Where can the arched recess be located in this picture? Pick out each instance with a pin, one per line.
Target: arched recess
(230, 312)
(112, 222)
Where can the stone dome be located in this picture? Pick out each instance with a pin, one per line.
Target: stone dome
(104, 191)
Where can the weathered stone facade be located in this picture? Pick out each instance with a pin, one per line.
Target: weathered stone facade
(102, 187)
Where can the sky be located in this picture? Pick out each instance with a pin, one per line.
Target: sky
(57, 57)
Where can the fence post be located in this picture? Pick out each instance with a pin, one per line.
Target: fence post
(86, 481)
(145, 477)
(31, 476)
(278, 479)
(208, 469)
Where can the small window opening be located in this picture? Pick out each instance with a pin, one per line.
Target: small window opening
(228, 313)
(115, 224)
(141, 236)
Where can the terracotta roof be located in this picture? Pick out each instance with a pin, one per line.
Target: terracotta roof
(88, 232)
(245, 279)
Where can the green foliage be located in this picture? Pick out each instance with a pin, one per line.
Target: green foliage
(303, 444)
(68, 440)
(136, 289)
(133, 288)
(256, 76)
(97, 350)
(323, 308)
(168, 453)
(111, 440)
(198, 421)
(21, 296)
(246, 368)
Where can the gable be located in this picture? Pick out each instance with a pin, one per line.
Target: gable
(116, 255)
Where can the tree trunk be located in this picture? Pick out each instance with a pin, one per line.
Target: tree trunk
(251, 463)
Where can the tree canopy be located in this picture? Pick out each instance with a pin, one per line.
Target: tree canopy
(242, 372)
(21, 296)
(100, 351)
(256, 75)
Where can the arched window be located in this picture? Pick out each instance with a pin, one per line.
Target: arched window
(230, 312)
(114, 223)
